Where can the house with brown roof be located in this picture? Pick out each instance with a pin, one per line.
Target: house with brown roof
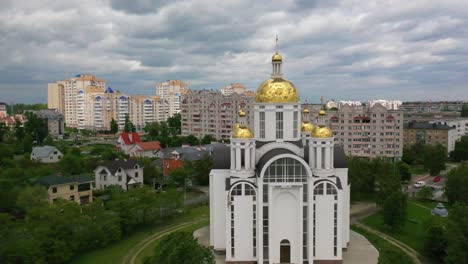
(127, 174)
(145, 149)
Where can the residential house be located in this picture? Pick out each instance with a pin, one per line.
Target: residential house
(76, 188)
(430, 134)
(126, 141)
(127, 174)
(145, 149)
(46, 154)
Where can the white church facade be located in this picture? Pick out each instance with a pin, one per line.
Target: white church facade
(280, 194)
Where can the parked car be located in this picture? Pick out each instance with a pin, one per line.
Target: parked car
(436, 179)
(419, 184)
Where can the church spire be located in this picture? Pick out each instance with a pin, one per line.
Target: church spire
(276, 62)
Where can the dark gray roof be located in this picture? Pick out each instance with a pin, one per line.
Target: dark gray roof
(339, 157)
(194, 153)
(55, 179)
(221, 156)
(52, 114)
(114, 165)
(43, 152)
(426, 126)
(269, 155)
(259, 144)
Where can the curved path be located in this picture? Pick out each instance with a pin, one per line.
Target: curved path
(413, 254)
(132, 254)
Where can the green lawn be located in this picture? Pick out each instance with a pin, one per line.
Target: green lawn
(412, 233)
(149, 250)
(115, 252)
(388, 253)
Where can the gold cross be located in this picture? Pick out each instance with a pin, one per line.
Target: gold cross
(276, 42)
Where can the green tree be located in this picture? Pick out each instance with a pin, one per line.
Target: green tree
(27, 143)
(49, 141)
(464, 111)
(435, 158)
(207, 139)
(128, 126)
(174, 124)
(435, 242)
(36, 127)
(180, 247)
(192, 140)
(460, 153)
(361, 177)
(202, 170)
(3, 131)
(19, 130)
(152, 130)
(114, 127)
(404, 170)
(32, 197)
(71, 163)
(425, 193)
(456, 187)
(457, 235)
(394, 210)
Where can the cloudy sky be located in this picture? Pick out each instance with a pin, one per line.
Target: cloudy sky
(341, 49)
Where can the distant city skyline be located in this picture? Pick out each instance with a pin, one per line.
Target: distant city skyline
(342, 50)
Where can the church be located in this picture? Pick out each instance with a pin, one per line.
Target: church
(280, 193)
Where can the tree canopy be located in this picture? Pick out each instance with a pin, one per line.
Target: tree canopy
(456, 187)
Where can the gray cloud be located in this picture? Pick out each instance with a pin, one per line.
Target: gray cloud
(342, 49)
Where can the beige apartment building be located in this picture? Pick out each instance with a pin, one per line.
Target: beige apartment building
(430, 134)
(67, 97)
(209, 112)
(368, 131)
(170, 93)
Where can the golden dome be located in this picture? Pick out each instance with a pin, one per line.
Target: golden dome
(322, 112)
(307, 127)
(242, 113)
(322, 132)
(241, 132)
(276, 90)
(306, 111)
(277, 57)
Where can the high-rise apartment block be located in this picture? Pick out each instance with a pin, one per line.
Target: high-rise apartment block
(209, 112)
(171, 93)
(365, 131)
(56, 96)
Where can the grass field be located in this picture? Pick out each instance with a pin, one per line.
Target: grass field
(412, 233)
(149, 250)
(388, 253)
(115, 252)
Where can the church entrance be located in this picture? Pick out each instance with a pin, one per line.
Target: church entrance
(285, 251)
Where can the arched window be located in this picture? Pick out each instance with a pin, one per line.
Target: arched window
(285, 170)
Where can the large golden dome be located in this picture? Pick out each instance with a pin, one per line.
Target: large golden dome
(307, 127)
(241, 132)
(276, 90)
(322, 132)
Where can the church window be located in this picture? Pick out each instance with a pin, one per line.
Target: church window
(237, 190)
(249, 190)
(305, 193)
(331, 189)
(285, 170)
(319, 189)
(279, 125)
(265, 193)
(254, 234)
(304, 230)
(295, 124)
(335, 233)
(265, 233)
(262, 124)
(313, 229)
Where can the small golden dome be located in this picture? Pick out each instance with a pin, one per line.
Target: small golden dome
(276, 90)
(277, 57)
(322, 112)
(306, 111)
(322, 132)
(241, 132)
(307, 127)
(242, 113)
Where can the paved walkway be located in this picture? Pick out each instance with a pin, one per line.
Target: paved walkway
(360, 250)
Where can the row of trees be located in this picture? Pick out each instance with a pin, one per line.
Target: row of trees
(55, 233)
(433, 158)
(460, 153)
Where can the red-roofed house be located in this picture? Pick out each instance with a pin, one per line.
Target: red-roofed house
(127, 140)
(145, 149)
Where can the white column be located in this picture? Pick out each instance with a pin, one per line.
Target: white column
(332, 161)
(319, 157)
(247, 157)
(252, 156)
(233, 157)
(327, 157)
(311, 156)
(238, 157)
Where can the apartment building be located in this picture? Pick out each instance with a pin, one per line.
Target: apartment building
(171, 93)
(209, 112)
(430, 134)
(236, 88)
(459, 124)
(389, 104)
(55, 122)
(3, 110)
(365, 131)
(56, 96)
(430, 107)
(68, 97)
